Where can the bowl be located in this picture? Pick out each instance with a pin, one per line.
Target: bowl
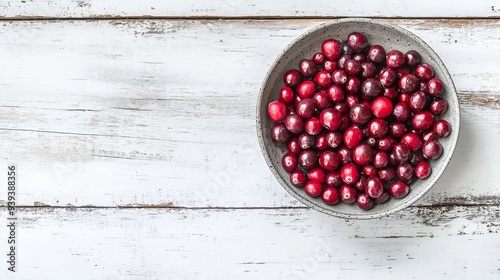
(377, 32)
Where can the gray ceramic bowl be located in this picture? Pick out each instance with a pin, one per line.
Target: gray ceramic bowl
(377, 32)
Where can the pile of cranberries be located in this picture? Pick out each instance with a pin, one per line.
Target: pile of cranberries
(360, 124)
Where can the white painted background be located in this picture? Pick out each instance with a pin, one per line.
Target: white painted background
(122, 130)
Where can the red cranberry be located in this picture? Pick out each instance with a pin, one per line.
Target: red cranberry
(404, 98)
(331, 49)
(346, 49)
(401, 112)
(369, 170)
(362, 154)
(347, 194)
(423, 86)
(345, 154)
(395, 59)
(294, 124)
(378, 128)
(317, 174)
(334, 139)
(289, 162)
(398, 189)
(276, 111)
(416, 158)
(318, 58)
(313, 126)
(352, 67)
(352, 85)
(382, 199)
(357, 41)
(424, 71)
(306, 89)
(339, 77)
(387, 76)
(387, 174)
(298, 178)
(279, 134)
(293, 146)
(291, 78)
(360, 184)
(401, 152)
(435, 87)
(374, 187)
(380, 159)
(423, 170)
(331, 119)
(402, 71)
(307, 68)
(442, 128)
(385, 143)
(330, 196)
(359, 57)
(307, 159)
(321, 100)
(429, 135)
(397, 129)
(349, 174)
(313, 188)
(404, 171)
(335, 93)
(351, 100)
(412, 58)
(432, 149)
(342, 108)
(306, 141)
(342, 60)
(408, 83)
(376, 54)
(391, 93)
(323, 78)
(412, 140)
(329, 160)
(353, 136)
(381, 107)
(372, 88)
(286, 95)
(422, 120)
(360, 114)
(368, 70)
(418, 100)
(305, 108)
(372, 142)
(438, 106)
(321, 144)
(364, 202)
(333, 179)
(329, 65)
(296, 102)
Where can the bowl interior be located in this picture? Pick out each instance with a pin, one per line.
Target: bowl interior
(377, 32)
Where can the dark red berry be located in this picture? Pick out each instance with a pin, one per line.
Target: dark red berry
(377, 128)
(329, 160)
(435, 87)
(306, 89)
(321, 144)
(353, 136)
(292, 78)
(438, 106)
(307, 68)
(298, 178)
(432, 149)
(276, 111)
(334, 139)
(387, 76)
(294, 124)
(305, 108)
(339, 77)
(364, 202)
(423, 170)
(441, 128)
(380, 159)
(382, 199)
(335, 93)
(360, 114)
(408, 83)
(418, 100)
(286, 95)
(321, 100)
(385, 143)
(330, 196)
(376, 54)
(387, 174)
(398, 189)
(381, 107)
(401, 152)
(422, 120)
(331, 49)
(317, 174)
(352, 85)
(424, 71)
(404, 171)
(401, 112)
(412, 141)
(357, 41)
(331, 119)
(368, 70)
(348, 194)
(293, 146)
(349, 174)
(362, 154)
(313, 188)
(352, 67)
(391, 93)
(333, 179)
(318, 58)
(395, 59)
(372, 88)
(345, 154)
(323, 78)
(412, 58)
(397, 129)
(289, 162)
(279, 134)
(307, 159)
(306, 141)
(374, 187)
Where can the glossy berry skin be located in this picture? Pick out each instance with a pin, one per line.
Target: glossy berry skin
(441, 128)
(307, 68)
(352, 67)
(408, 83)
(382, 199)
(333, 179)
(424, 71)
(381, 107)
(347, 194)
(357, 41)
(416, 158)
(276, 111)
(432, 149)
(404, 171)
(313, 188)
(331, 119)
(376, 54)
(298, 178)
(380, 159)
(378, 128)
(279, 134)
(313, 126)
(317, 174)
(292, 78)
(362, 154)
(422, 120)
(423, 170)
(387, 76)
(360, 184)
(323, 78)
(418, 100)
(339, 77)
(334, 139)
(307, 159)
(345, 154)
(438, 106)
(289, 162)
(397, 129)
(353, 136)
(321, 100)
(401, 112)
(369, 170)
(435, 87)
(372, 88)
(352, 85)
(349, 174)
(398, 189)
(330, 196)
(391, 93)
(306, 89)
(374, 187)
(401, 152)
(294, 124)
(306, 141)
(331, 49)
(286, 95)
(305, 108)
(359, 57)
(335, 93)
(330, 65)
(429, 135)
(395, 59)
(368, 70)
(412, 58)
(346, 49)
(387, 174)
(385, 143)
(293, 146)
(329, 160)
(360, 114)
(364, 202)
(342, 60)
(404, 98)
(318, 58)
(321, 144)
(412, 141)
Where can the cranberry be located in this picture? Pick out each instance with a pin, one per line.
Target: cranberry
(307, 159)
(307, 68)
(423, 86)
(339, 77)
(321, 144)
(352, 85)
(357, 41)
(331, 119)
(346, 49)
(306, 141)
(331, 49)
(401, 112)
(404, 98)
(342, 60)
(382, 199)
(397, 129)
(381, 107)
(378, 128)
(347, 194)
(408, 83)
(318, 58)
(298, 178)
(364, 202)
(286, 95)
(335, 93)
(423, 170)
(296, 101)
(416, 158)
(368, 70)
(349, 174)
(369, 170)
(372, 88)
(306, 89)
(313, 188)
(380, 159)
(391, 93)
(404, 171)
(387, 174)
(362, 154)
(342, 108)
(438, 106)
(412, 58)
(317, 174)
(435, 87)
(429, 135)
(385, 143)
(279, 134)
(418, 100)
(351, 100)
(412, 140)
(360, 114)
(401, 152)
(398, 189)
(422, 120)
(402, 71)
(376, 54)
(442, 128)
(294, 124)
(330, 196)
(345, 154)
(395, 59)
(333, 179)
(276, 110)
(329, 160)
(291, 78)
(424, 71)
(387, 76)
(293, 146)
(360, 184)
(313, 126)
(372, 142)
(305, 108)
(323, 78)
(359, 57)
(352, 67)
(289, 162)
(432, 149)
(334, 139)
(321, 100)
(353, 136)
(374, 187)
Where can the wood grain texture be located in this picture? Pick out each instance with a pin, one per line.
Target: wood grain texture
(420, 242)
(165, 110)
(239, 8)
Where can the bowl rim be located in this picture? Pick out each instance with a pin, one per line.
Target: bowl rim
(451, 91)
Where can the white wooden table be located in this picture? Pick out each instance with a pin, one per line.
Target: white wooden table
(132, 126)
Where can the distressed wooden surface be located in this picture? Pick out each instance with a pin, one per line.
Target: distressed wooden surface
(239, 8)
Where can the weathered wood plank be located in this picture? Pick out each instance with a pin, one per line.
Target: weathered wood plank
(245, 244)
(162, 110)
(239, 8)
